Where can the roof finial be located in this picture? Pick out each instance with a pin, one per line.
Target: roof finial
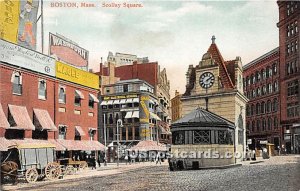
(213, 38)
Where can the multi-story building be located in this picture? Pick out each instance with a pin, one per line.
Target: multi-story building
(216, 84)
(176, 106)
(43, 99)
(289, 19)
(125, 59)
(262, 86)
(132, 101)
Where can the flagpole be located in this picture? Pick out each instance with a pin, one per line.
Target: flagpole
(42, 25)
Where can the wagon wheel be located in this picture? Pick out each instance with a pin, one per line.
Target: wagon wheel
(83, 165)
(31, 175)
(70, 170)
(52, 170)
(9, 171)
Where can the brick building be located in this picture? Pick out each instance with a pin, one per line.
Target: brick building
(289, 19)
(261, 86)
(41, 101)
(176, 106)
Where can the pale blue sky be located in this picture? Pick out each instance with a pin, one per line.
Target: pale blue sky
(174, 33)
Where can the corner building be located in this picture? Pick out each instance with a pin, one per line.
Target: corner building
(289, 19)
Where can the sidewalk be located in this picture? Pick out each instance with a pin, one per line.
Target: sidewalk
(110, 169)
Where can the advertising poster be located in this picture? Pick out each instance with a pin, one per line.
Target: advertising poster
(27, 31)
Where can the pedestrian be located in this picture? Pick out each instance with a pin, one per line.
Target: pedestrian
(126, 159)
(93, 161)
(99, 161)
(158, 159)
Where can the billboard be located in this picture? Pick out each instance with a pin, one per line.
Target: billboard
(9, 20)
(72, 74)
(68, 51)
(25, 58)
(28, 23)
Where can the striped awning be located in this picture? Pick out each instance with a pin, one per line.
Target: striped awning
(128, 115)
(44, 120)
(110, 102)
(82, 145)
(20, 117)
(135, 100)
(3, 120)
(79, 131)
(116, 102)
(154, 116)
(129, 100)
(79, 93)
(135, 114)
(103, 103)
(94, 98)
(149, 146)
(122, 101)
(32, 143)
(5, 144)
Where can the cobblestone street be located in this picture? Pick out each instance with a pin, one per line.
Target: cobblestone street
(277, 173)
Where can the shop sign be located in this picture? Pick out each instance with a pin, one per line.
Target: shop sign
(26, 58)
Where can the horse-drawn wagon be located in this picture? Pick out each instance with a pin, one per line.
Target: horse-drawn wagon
(30, 161)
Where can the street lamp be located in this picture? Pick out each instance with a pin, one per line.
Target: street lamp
(119, 123)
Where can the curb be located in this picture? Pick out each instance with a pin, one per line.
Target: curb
(255, 162)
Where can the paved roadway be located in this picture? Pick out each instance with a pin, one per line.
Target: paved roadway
(278, 173)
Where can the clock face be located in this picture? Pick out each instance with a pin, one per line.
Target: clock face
(206, 80)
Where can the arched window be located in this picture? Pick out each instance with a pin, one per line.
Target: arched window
(262, 110)
(258, 125)
(247, 110)
(258, 92)
(257, 75)
(257, 109)
(275, 105)
(263, 124)
(263, 74)
(275, 122)
(274, 68)
(253, 93)
(269, 106)
(253, 126)
(252, 109)
(269, 123)
(264, 90)
(276, 86)
(62, 95)
(268, 72)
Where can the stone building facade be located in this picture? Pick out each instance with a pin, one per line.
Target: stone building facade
(220, 83)
(176, 106)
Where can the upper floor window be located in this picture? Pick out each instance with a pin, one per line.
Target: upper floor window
(274, 68)
(263, 74)
(276, 86)
(16, 80)
(293, 88)
(275, 105)
(91, 102)
(62, 131)
(42, 89)
(257, 109)
(62, 94)
(78, 97)
(257, 75)
(258, 92)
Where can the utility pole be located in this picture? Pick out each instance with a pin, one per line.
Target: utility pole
(119, 123)
(104, 124)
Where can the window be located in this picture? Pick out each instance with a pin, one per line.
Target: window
(262, 110)
(16, 80)
(269, 123)
(263, 74)
(62, 95)
(118, 89)
(293, 88)
(77, 100)
(258, 125)
(264, 90)
(269, 106)
(252, 79)
(276, 86)
(275, 122)
(252, 109)
(91, 102)
(288, 49)
(92, 133)
(257, 74)
(269, 88)
(178, 138)
(62, 131)
(274, 69)
(125, 87)
(224, 137)
(275, 105)
(258, 92)
(110, 119)
(257, 109)
(264, 125)
(42, 89)
(268, 72)
(293, 109)
(253, 93)
(253, 126)
(201, 137)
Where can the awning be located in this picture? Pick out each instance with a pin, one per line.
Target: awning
(21, 118)
(92, 129)
(128, 115)
(58, 146)
(109, 102)
(129, 100)
(82, 145)
(149, 146)
(122, 101)
(135, 114)
(5, 144)
(135, 100)
(80, 94)
(3, 120)
(116, 102)
(94, 98)
(154, 116)
(44, 120)
(79, 131)
(32, 143)
(150, 100)
(103, 103)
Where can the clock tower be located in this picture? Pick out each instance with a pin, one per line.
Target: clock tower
(217, 85)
